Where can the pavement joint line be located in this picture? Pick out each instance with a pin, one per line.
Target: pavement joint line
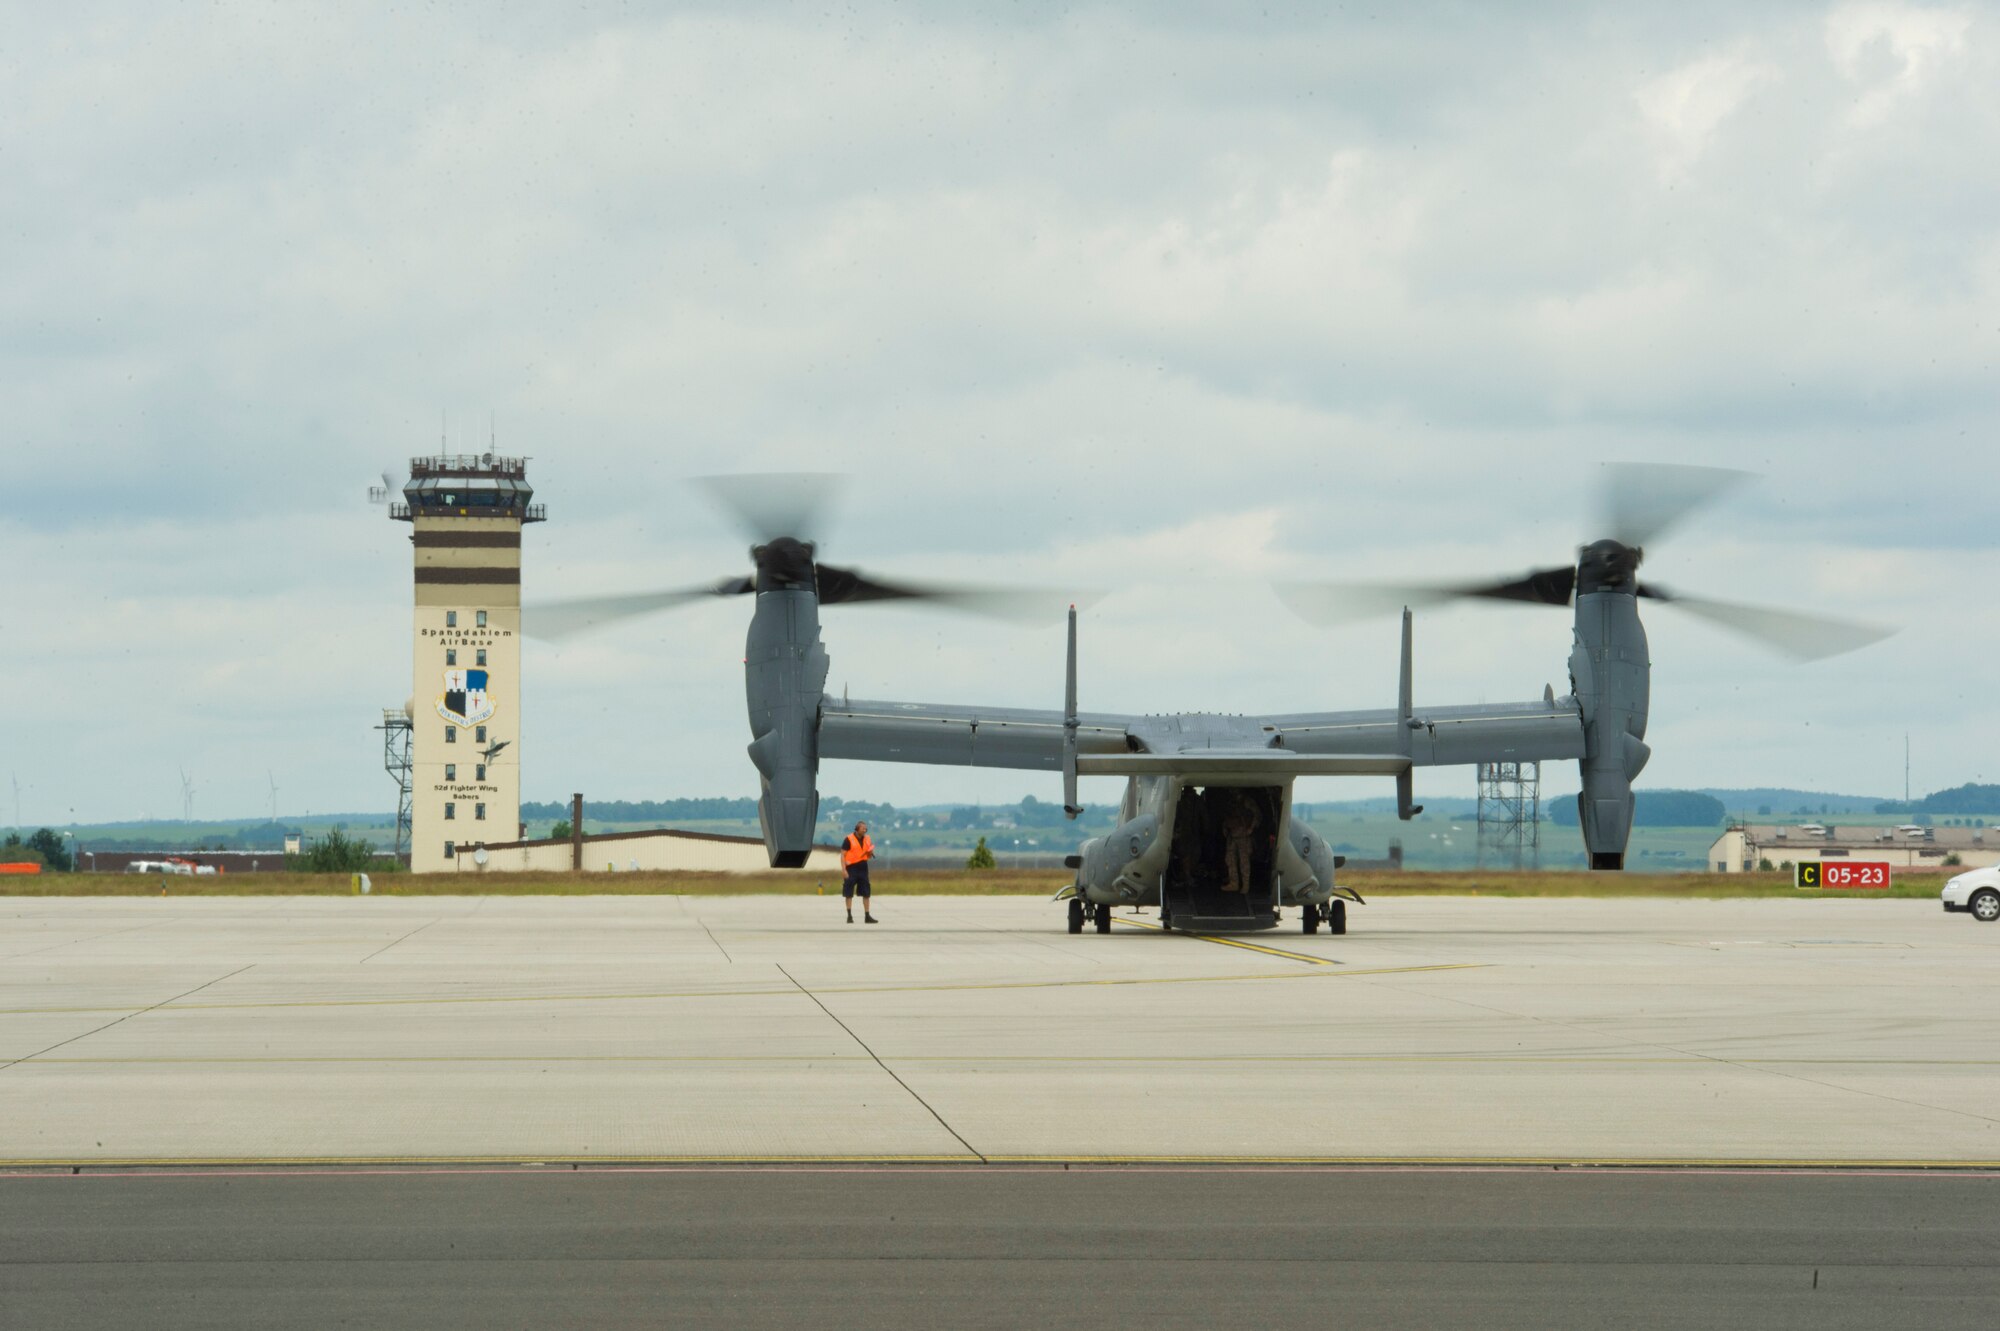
(1309, 959)
(140, 1012)
(879, 1063)
(769, 993)
(412, 934)
(72, 942)
(680, 903)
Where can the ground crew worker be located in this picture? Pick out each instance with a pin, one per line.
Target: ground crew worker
(1239, 824)
(855, 852)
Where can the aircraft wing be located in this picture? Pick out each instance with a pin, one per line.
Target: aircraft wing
(956, 736)
(1541, 731)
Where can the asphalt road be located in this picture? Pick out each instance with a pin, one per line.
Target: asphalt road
(979, 1247)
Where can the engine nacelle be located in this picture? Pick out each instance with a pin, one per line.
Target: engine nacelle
(1124, 865)
(1306, 864)
(784, 669)
(1611, 674)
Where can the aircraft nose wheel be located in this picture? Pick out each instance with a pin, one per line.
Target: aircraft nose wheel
(1103, 919)
(1075, 915)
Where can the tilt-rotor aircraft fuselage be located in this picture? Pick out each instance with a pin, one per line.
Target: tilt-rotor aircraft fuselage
(1200, 788)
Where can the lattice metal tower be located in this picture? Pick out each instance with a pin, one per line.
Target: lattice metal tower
(1510, 814)
(395, 730)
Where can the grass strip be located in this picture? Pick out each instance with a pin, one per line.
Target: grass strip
(927, 883)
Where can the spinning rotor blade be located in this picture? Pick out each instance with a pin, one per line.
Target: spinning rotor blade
(846, 586)
(1801, 637)
(391, 488)
(553, 620)
(1643, 499)
(1329, 603)
(776, 504)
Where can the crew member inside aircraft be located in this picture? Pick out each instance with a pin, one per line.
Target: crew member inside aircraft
(855, 852)
(1239, 825)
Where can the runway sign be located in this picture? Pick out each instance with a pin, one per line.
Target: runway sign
(1844, 874)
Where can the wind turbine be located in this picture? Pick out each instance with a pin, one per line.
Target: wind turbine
(187, 797)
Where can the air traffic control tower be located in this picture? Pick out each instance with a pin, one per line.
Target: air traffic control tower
(466, 512)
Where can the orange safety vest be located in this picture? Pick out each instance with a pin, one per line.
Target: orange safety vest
(853, 852)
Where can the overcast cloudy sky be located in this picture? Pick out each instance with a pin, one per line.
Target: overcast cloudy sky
(1173, 300)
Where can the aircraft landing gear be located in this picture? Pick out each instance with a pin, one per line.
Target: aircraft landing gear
(1076, 915)
(1333, 914)
(1103, 919)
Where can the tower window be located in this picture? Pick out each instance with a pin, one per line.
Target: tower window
(450, 849)
(451, 771)
(482, 656)
(451, 656)
(451, 619)
(480, 734)
(450, 811)
(450, 733)
(479, 811)
(479, 772)
(482, 619)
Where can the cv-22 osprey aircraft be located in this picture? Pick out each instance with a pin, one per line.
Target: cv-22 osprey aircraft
(1205, 830)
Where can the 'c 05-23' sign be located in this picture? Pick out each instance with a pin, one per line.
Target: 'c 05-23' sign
(1844, 874)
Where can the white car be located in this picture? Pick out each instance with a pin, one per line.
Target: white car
(1975, 890)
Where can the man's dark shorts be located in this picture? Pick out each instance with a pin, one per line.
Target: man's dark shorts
(856, 881)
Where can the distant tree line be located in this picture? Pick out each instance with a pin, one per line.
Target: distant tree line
(44, 847)
(646, 811)
(256, 836)
(1959, 800)
(336, 852)
(1656, 808)
(1030, 812)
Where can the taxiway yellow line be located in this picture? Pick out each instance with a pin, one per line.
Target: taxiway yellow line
(1229, 942)
(968, 1161)
(1205, 1060)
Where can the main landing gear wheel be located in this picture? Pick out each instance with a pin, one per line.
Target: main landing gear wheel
(1103, 919)
(1336, 916)
(1076, 915)
(1986, 906)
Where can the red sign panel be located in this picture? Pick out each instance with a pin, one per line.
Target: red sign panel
(1843, 874)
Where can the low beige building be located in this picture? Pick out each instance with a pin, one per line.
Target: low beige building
(1743, 848)
(617, 852)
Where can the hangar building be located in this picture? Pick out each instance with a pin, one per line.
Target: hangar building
(1742, 848)
(703, 852)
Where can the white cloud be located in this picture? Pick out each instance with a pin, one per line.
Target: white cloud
(1686, 106)
(1892, 51)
